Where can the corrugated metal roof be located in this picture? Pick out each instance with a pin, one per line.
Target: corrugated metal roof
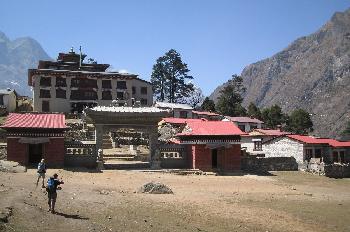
(31, 120)
(125, 109)
(313, 140)
(271, 132)
(243, 119)
(205, 113)
(173, 105)
(211, 128)
(181, 120)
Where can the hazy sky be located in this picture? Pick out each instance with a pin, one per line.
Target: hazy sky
(216, 38)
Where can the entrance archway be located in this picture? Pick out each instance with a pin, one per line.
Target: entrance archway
(141, 119)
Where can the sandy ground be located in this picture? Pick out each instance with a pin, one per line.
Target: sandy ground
(109, 201)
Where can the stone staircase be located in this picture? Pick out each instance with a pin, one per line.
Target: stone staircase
(107, 141)
(121, 160)
(126, 165)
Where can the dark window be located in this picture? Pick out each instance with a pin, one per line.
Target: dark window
(252, 127)
(61, 82)
(83, 82)
(121, 84)
(133, 90)
(241, 127)
(183, 114)
(143, 101)
(45, 81)
(143, 90)
(120, 95)
(121, 104)
(45, 106)
(1, 99)
(106, 95)
(106, 84)
(60, 93)
(44, 93)
(308, 154)
(257, 146)
(335, 157)
(342, 156)
(83, 95)
(75, 82)
(317, 153)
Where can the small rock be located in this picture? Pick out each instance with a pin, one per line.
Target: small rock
(109, 217)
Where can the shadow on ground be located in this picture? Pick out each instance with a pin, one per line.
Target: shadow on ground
(71, 216)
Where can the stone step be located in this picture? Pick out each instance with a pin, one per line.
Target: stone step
(126, 165)
(116, 158)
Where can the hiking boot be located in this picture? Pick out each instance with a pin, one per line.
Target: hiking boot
(53, 211)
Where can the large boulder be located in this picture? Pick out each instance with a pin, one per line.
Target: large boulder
(155, 188)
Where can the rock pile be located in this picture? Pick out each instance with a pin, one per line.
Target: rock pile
(155, 188)
(3, 153)
(11, 166)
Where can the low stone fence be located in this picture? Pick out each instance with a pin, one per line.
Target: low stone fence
(337, 170)
(80, 154)
(264, 164)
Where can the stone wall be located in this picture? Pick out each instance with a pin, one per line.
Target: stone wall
(3, 152)
(337, 170)
(263, 164)
(285, 147)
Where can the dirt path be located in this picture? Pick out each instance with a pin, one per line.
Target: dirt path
(287, 201)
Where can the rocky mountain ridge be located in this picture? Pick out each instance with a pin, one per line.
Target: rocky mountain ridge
(312, 73)
(16, 57)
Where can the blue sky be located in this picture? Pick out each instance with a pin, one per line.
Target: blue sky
(216, 38)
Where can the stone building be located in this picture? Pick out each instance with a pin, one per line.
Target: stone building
(179, 110)
(211, 145)
(245, 124)
(304, 148)
(252, 143)
(211, 116)
(31, 137)
(69, 85)
(8, 100)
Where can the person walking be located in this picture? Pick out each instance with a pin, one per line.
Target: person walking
(52, 186)
(41, 172)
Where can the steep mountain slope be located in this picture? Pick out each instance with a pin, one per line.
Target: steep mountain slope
(312, 73)
(15, 58)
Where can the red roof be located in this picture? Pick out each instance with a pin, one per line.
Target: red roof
(30, 120)
(211, 128)
(243, 119)
(205, 113)
(272, 132)
(182, 120)
(313, 140)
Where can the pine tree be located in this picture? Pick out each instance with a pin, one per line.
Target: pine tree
(273, 116)
(299, 122)
(208, 105)
(230, 98)
(168, 78)
(254, 111)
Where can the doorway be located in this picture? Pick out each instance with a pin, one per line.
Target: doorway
(35, 153)
(214, 158)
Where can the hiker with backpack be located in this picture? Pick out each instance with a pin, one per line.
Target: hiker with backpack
(51, 189)
(41, 172)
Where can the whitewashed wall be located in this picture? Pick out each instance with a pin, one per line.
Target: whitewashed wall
(285, 147)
